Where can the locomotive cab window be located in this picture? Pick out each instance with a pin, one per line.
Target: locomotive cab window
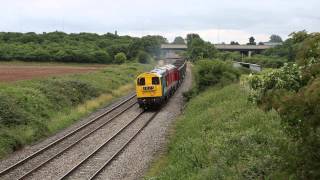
(155, 81)
(141, 82)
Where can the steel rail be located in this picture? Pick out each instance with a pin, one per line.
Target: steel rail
(67, 174)
(74, 143)
(19, 163)
(122, 148)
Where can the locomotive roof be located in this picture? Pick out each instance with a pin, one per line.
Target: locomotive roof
(161, 70)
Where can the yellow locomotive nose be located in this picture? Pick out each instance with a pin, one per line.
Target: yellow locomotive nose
(148, 89)
(148, 85)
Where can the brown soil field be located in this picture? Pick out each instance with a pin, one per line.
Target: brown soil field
(10, 73)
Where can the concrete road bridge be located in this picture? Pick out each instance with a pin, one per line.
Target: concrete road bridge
(243, 49)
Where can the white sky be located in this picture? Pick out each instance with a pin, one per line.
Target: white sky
(215, 21)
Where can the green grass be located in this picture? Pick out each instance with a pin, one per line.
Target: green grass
(34, 109)
(223, 136)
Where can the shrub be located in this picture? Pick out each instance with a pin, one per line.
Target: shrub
(214, 72)
(67, 92)
(301, 113)
(225, 55)
(295, 93)
(10, 113)
(120, 58)
(266, 61)
(102, 57)
(143, 57)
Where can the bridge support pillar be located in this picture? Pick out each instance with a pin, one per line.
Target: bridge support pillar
(249, 53)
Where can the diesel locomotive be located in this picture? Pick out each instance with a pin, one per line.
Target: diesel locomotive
(155, 87)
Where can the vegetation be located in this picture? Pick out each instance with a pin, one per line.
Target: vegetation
(82, 47)
(143, 57)
(289, 47)
(198, 48)
(120, 58)
(294, 92)
(234, 43)
(222, 136)
(251, 41)
(266, 61)
(277, 56)
(214, 72)
(275, 38)
(178, 40)
(30, 110)
(208, 73)
(228, 56)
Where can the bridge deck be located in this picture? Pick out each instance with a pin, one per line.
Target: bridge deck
(219, 47)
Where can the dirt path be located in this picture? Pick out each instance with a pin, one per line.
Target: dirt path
(9, 73)
(137, 157)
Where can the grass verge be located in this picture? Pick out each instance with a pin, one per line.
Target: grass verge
(34, 109)
(223, 136)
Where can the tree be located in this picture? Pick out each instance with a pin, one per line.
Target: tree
(261, 43)
(234, 43)
(251, 41)
(299, 36)
(120, 58)
(74, 47)
(143, 57)
(198, 48)
(275, 38)
(152, 44)
(191, 37)
(102, 57)
(178, 40)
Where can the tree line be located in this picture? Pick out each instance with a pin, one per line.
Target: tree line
(77, 47)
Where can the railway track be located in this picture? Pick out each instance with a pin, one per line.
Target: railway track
(30, 164)
(92, 165)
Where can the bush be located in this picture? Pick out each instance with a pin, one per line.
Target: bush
(143, 57)
(301, 113)
(214, 72)
(10, 113)
(295, 93)
(102, 57)
(225, 55)
(120, 58)
(67, 92)
(266, 61)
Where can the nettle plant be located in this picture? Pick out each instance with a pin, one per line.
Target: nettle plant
(288, 78)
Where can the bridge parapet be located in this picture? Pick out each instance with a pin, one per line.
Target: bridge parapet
(243, 49)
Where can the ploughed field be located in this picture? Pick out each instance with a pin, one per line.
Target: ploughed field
(15, 72)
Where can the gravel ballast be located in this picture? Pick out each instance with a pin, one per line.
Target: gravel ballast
(135, 160)
(132, 163)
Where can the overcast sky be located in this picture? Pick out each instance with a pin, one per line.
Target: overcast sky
(215, 21)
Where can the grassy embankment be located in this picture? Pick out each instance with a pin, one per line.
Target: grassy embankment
(33, 109)
(223, 136)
